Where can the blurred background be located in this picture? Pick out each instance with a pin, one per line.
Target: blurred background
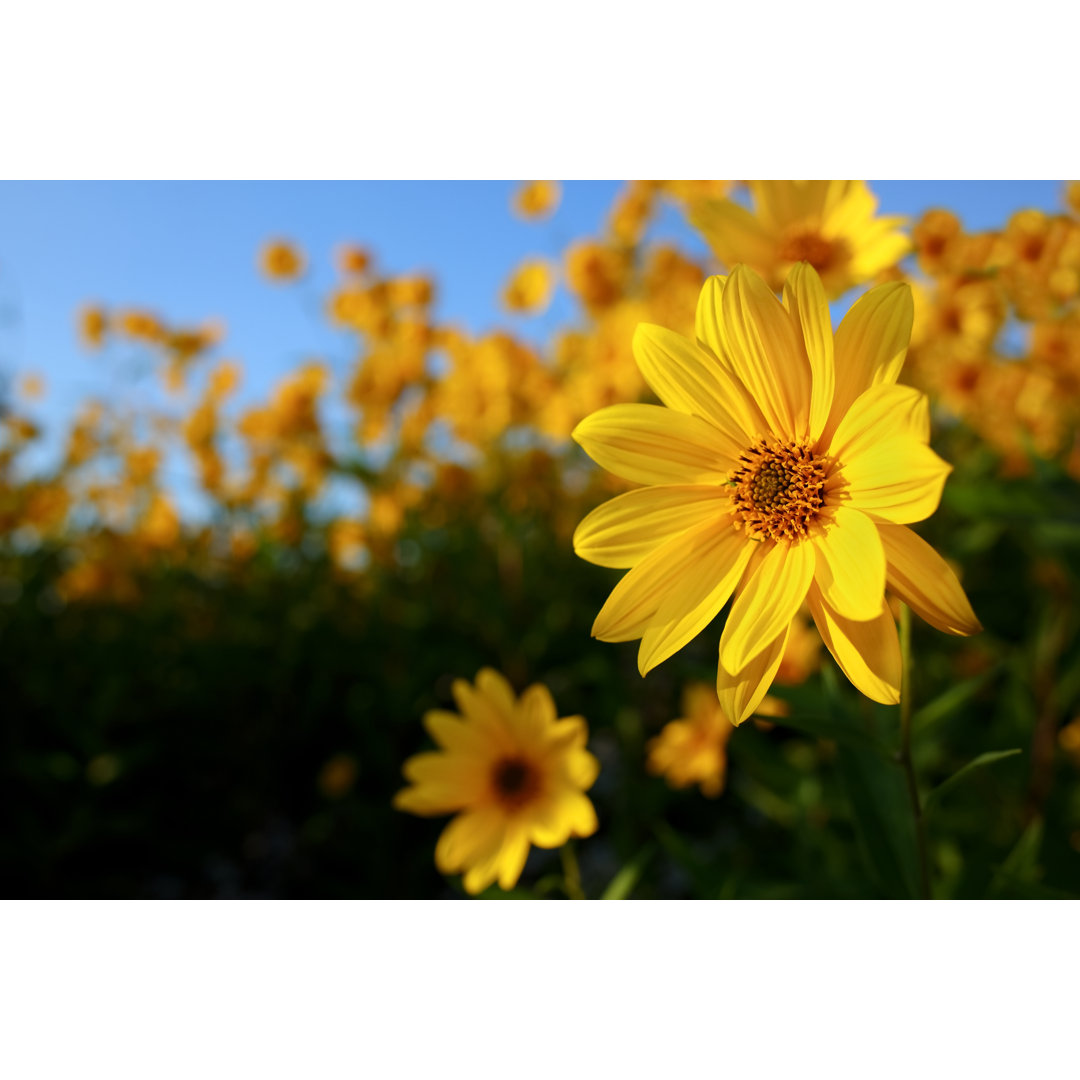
(278, 462)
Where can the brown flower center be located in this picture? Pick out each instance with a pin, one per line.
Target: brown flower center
(516, 782)
(778, 490)
(810, 246)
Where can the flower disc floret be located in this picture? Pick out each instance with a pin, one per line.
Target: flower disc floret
(778, 490)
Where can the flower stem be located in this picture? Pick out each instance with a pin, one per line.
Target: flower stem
(571, 872)
(904, 756)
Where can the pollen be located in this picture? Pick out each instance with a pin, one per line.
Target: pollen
(516, 782)
(778, 490)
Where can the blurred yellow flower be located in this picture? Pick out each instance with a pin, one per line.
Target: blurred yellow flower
(784, 468)
(281, 261)
(353, 260)
(31, 386)
(597, 274)
(530, 287)
(830, 224)
(513, 773)
(693, 749)
(93, 323)
(537, 198)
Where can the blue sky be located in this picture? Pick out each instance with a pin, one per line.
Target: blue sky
(189, 252)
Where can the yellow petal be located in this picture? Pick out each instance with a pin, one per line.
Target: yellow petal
(534, 715)
(494, 685)
(625, 529)
(767, 602)
(472, 837)
(649, 444)
(512, 856)
(695, 599)
(885, 411)
(871, 344)
(454, 734)
(805, 299)
(685, 378)
(635, 601)
(868, 652)
(734, 234)
(741, 692)
(707, 317)
(849, 214)
(923, 580)
(765, 351)
(780, 203)
(850, 567)
(897, 480)
(442, 783)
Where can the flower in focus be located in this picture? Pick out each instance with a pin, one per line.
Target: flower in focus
(281, 261)
(530, 287)
(513, 773)
(830, 224)
(693, 749)
(537, 198)
(784, 466)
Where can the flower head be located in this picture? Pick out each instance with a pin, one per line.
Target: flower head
(537, 198)
(513, 773)
(830, 224)
(784, 466)
(693, 748)
(281, 261)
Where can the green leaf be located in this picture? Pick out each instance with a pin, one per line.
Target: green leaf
(837, 728)
(884, 824)
(1021, 866)
(988, 758)
(953, 698)
(622, 884)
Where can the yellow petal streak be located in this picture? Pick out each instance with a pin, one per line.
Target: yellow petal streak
(696, 598)
(766, 353)
(636, 600)
(868, 652)
(922, 579)
(741, 692)
(622, 531)
(805, 299)
(649, 444)
(688, 380)
(767, 602)
(850, 567)
(882, 412)
(897, 480)
(871, 344)
(707, 317)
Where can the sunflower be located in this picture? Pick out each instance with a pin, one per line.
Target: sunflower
(693, 748)
(784, 466)
(517, 775)
(830, 224)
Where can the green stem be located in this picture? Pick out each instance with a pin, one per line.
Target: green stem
(904, 756)
(571, 872)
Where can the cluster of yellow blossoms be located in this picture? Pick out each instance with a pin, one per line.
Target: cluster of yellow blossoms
(780, 471)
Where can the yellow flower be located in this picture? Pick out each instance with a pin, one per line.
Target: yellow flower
(514, 774)
(537, 198)
(93, 325)
(530, 286)
(785, 467)
(693, 749)
(281, 261)
(827, 223)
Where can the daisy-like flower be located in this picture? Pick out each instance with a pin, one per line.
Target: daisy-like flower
(513, 773)
(784, 466)
(693, 748)
(830, 224)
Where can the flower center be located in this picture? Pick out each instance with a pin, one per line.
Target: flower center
(808, 246)
(516, 781)
(778, 490)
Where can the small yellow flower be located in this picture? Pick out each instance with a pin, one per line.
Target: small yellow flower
(537, 198)
(530, 287)
(830, 224)
(31, 386)
(693, 749)
(281, 261)
(353, 260)
(93, 324)
(785, 467)
(513, 773)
